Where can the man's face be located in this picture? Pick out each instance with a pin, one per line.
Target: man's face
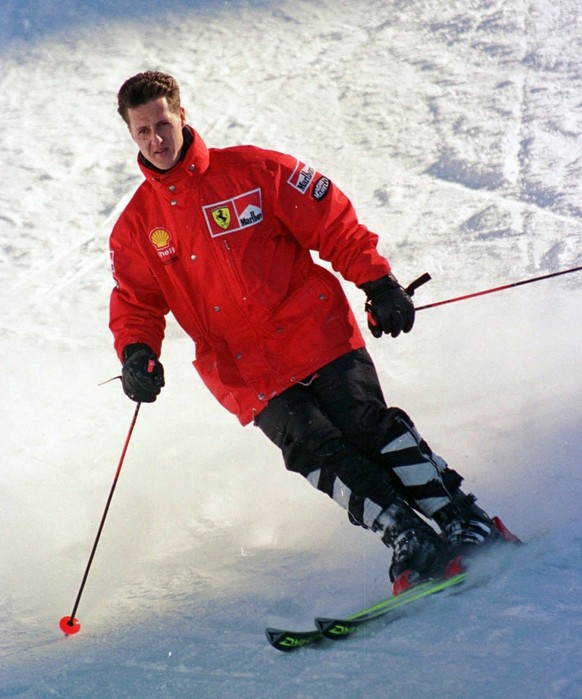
(158, 132)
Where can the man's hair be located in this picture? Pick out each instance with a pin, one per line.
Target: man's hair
(147, 86)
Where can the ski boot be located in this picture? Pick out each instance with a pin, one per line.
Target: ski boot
(466, 527)
(419, 555)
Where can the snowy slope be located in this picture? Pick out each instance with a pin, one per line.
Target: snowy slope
(456, 129)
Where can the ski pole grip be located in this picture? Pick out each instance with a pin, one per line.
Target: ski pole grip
(413, 286)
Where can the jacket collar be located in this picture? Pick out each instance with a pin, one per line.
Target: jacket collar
(194, 160)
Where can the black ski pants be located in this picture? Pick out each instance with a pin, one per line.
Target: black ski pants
(333, 429)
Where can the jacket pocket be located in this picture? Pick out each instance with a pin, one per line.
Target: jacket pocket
(304, 306)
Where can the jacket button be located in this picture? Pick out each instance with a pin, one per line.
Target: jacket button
(172, 188)
(217, 309)
(322, 297)
(261, 396)
(193, 258)
(173, 202)
(238, 355)
(192, 167)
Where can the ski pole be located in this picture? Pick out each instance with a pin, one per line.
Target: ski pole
(423, 279)
(69, 624)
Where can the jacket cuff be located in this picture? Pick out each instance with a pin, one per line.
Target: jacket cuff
(385, 283)
(128, 350)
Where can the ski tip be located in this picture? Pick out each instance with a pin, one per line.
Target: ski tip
(281, 640)
(291, 640)
(336, 629)
(323, 624)
(273, 635)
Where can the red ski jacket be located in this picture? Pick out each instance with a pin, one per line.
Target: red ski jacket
(223, 240)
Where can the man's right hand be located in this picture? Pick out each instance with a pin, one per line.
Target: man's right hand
(142, 374)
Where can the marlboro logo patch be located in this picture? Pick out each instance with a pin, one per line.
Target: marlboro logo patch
(301, 177)
(234, 214)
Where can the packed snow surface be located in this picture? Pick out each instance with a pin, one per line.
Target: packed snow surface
(456, 130)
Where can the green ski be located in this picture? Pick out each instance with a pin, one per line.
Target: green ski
(339, 628)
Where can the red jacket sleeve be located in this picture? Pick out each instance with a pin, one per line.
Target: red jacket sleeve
(321, 217)
(137, 305)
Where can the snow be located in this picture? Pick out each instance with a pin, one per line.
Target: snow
(456, 129)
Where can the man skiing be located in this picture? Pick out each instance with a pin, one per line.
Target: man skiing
(222, 239)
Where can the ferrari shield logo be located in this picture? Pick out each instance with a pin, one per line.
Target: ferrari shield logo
(234, 214)
(221, 217)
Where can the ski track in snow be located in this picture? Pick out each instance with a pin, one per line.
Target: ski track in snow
(456, 129)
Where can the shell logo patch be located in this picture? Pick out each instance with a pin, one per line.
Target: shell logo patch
(161, 239)
(231, 215)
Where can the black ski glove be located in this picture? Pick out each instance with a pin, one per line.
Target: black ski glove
(389, 307)
(142, 374)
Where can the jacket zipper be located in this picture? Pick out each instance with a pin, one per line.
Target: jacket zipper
(242, 289)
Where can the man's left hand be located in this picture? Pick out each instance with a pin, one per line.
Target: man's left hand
(390, 309)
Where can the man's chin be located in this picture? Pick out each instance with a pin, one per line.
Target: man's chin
(163, 162)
